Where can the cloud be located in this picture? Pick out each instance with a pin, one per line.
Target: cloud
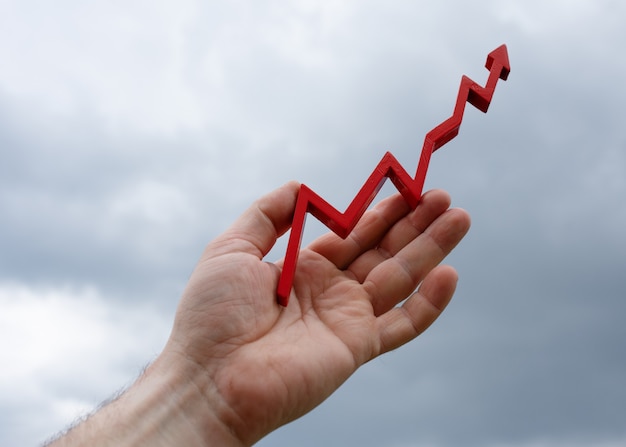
(131, 135)
(65, 350)
(125, 63)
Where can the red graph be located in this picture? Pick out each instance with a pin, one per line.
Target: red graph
(389, 167)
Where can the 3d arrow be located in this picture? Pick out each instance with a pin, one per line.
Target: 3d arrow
(389, 167)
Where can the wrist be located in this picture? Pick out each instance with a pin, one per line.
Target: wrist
(170, 404)
(183, 405)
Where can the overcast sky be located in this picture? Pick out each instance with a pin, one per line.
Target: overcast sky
(133, 132)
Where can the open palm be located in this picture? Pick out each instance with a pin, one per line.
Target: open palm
(269, 364)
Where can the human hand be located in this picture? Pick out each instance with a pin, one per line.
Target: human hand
(259, 365)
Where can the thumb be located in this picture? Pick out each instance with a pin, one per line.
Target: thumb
(257, 229)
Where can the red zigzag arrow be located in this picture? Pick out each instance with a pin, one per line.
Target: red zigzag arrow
(410, 188)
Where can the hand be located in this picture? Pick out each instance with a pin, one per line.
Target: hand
(259, 365)
(238, 365)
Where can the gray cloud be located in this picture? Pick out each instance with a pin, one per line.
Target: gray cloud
(130, 138)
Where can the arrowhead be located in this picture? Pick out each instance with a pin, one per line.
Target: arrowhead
(501, 57)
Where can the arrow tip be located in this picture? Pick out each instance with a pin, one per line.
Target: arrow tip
(500, 56)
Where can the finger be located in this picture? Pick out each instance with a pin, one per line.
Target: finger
(402, 324)
(374, 226)
(257, 229)
(366, 234)
(432, 205)
(394, 279)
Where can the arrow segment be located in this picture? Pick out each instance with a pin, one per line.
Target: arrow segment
(389, 167)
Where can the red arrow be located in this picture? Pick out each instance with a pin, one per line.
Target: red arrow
(410, 188)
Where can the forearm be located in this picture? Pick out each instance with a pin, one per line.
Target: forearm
(165, 407)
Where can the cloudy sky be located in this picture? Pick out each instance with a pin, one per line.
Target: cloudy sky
(132, 132)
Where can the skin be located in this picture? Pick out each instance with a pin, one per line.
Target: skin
(238, 366)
